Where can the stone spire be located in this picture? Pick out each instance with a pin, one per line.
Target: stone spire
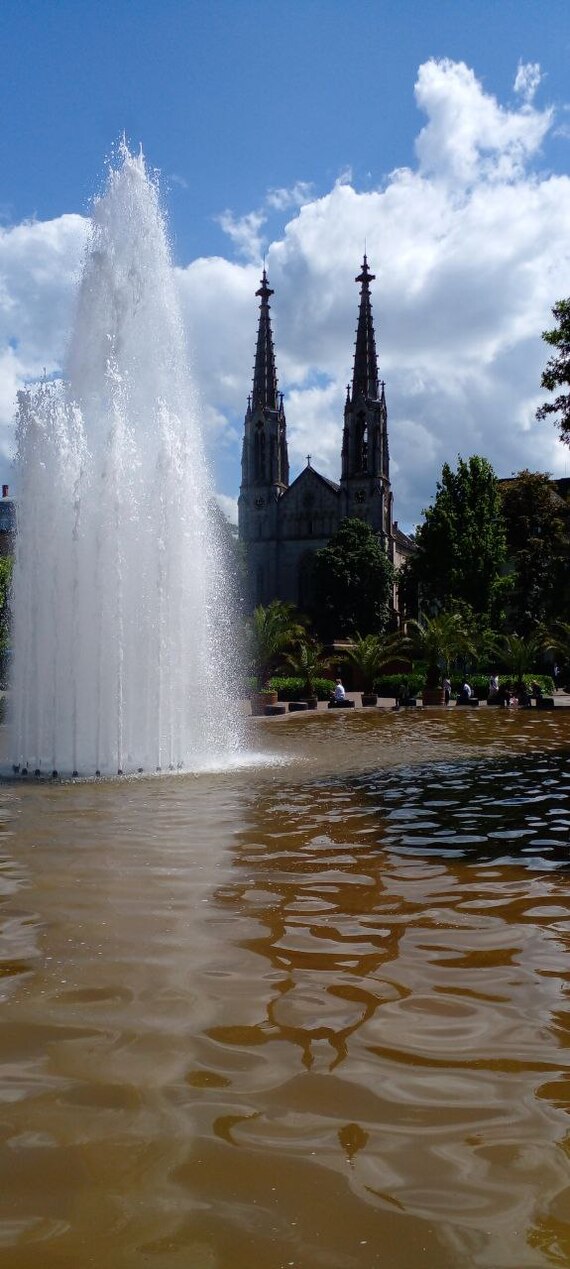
(264, 395)
(365, 376)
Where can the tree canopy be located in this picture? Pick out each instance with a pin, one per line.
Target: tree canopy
(537, 521)
(461, 544)
(353, 580)
(270, 632)
(557, 371)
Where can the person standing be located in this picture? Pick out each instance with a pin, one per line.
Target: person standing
(446, 691)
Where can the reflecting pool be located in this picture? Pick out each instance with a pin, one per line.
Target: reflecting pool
(310, 1012)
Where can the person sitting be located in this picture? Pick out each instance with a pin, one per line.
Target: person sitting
(339, 693)
(465, 694)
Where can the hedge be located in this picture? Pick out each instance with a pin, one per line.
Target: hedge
(388, 684)
(293, 689)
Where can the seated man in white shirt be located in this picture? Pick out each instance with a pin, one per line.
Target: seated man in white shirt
(339, 693)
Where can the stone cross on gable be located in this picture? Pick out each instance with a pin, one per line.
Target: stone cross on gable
(308, 460)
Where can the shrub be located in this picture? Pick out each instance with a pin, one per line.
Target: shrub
(388, 684)
(479, 683)
(292, 688)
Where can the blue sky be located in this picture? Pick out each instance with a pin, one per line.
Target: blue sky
(276, 127)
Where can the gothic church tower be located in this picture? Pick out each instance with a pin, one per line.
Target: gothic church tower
(265, 462)
(365, 476)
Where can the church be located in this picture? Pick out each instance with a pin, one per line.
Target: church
(283, 524)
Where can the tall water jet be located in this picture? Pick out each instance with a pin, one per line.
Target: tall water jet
(122, 631)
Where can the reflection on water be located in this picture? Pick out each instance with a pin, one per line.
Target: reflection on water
(309, 1014)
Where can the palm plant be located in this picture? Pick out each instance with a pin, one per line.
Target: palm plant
(438, 641)
(521, 653)
(307, 661)
(369, 655)
(558, 641)
(270, 632)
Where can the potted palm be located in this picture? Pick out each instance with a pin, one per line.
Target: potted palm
(269, 631)
(368, 655)
(307, 661)
(438, 640)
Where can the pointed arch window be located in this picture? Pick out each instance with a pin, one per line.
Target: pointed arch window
(259, 453)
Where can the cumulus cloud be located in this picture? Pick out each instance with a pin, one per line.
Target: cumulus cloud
(527, 79)
(469, 136)
(471, 247)
(282, 199)
(245, 232)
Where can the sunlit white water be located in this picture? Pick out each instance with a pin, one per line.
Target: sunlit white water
(122, 627)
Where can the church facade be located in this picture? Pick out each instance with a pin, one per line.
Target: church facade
(283, 524)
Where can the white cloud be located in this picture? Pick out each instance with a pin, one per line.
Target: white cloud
(229, 507)
(527, 80)
(469, 136)
(282, 199)
(245, 232)
(471, 248)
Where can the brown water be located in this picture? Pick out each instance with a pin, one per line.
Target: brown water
(308, 1013)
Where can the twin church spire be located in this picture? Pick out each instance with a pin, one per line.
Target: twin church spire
(365, 438)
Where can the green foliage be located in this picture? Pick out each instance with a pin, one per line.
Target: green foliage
(292, 688)
(537, 523)
(307, 660)
(389, 684)
(270, 632)
(353, 580)
(461, 543)
(368, 655)
(438, 641)
(6, 570)
(519, 654)
(557, 371)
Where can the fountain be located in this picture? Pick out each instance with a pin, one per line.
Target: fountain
(122, 630)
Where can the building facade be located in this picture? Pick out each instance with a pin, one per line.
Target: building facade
(283, 524)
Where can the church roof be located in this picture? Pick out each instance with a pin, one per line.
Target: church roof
(365, 374)
(264, 395)
(310, 473)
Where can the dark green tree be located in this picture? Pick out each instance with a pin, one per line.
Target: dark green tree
(352, 583)
(461, 544)
(270, 632)
(557, 371)
(6, 570)
(537, 524)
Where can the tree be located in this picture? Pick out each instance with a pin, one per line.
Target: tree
(520, 654)
(353, 582)
(461, 543)
(369, 655)
(308, 662)
(6, 570)
(438, 641)
(557, 371)
(270, 632)
(537, 523)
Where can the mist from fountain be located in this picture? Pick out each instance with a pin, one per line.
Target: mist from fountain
(122, 631)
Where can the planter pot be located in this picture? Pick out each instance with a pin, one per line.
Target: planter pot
(369, 698)
(433, 696)
(259, 700)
